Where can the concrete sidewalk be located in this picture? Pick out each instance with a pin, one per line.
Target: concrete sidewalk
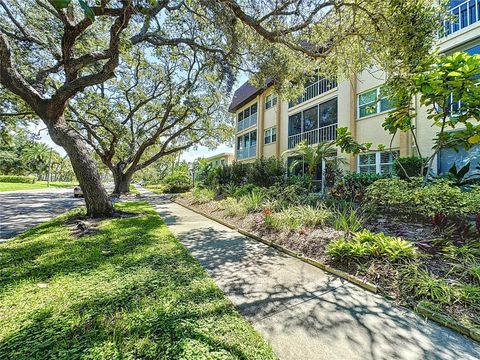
(304, 312)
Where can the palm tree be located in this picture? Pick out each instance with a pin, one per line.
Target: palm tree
(312, 155)
(37, 157)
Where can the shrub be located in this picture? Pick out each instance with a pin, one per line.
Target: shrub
(177, 182)
(202, 196)
(265, 172)
(388, 195)
(301, 181)
(17, 179)
(439, 201)
(298, 216)
(233, 207)
(367, 244)
(353, 186)
(243, 190)
(412, 165)
(292, 194)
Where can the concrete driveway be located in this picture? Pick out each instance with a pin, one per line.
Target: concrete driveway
(20, 210)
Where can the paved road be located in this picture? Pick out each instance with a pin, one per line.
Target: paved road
(304, 312)
(20, 210)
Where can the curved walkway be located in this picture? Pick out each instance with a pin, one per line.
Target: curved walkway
(304, 312)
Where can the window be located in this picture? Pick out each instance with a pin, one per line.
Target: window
(380, 162)
(295, 124)
(372, 102)
(460, 157)
(270, 101)
(320, 115)
(246, 145)
(310, 119)
(327, 112)
(270, 135)
(366, 163)
(247, 140)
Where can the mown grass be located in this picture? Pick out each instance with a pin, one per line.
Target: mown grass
(36, 185)
(129, 290)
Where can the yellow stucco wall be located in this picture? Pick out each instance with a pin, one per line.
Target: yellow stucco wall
(366, 129)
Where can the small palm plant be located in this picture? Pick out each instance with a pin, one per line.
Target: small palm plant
(312, 155)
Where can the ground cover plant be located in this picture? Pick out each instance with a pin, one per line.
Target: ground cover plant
(126, 288)
(397, 228)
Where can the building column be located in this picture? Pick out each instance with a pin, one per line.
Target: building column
(353, 118)
(278, 118)
(260, 125)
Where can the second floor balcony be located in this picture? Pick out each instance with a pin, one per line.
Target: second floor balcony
(463, 13)
(324, 133)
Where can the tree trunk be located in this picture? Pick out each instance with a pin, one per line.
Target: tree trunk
(96, 197)
(122, 182)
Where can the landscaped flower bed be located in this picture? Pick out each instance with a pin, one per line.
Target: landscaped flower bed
(417, 262)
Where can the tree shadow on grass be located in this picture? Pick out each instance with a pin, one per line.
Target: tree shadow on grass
(146, 298)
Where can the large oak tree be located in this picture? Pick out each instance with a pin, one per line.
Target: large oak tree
(157, 106)
(50, 53)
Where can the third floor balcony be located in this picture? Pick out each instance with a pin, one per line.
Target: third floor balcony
(464, 13)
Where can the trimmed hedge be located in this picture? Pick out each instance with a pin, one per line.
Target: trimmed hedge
(17, 179)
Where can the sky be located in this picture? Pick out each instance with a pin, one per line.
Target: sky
(189, 156)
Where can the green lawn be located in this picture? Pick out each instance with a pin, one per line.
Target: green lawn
(38, 185)
(128, 291)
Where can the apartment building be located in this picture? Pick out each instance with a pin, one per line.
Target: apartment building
(220, 159)
(268, 126)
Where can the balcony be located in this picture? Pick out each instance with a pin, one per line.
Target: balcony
(246, 153)
(319, 87)
(247, 122)
(466, 14)
(325, 133)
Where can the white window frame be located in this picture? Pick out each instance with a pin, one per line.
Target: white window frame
(268, 133)
(378, 101)
(378, 160)
(270, 101)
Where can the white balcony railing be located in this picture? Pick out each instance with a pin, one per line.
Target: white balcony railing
(247, 122)
(246, 153)
(465, 14)
(325, 133)
(319, 87)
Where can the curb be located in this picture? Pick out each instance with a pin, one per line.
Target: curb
(447, 322)
(419, 309)
(363, 284)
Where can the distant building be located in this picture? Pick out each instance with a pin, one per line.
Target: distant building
(221, 159)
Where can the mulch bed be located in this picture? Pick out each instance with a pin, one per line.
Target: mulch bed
(312, 243)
